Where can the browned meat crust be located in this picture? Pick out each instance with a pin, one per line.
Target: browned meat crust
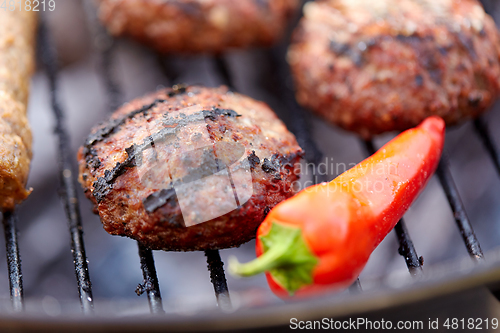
(375, 66)
(197, 25)
(130, 167)
(17, 41)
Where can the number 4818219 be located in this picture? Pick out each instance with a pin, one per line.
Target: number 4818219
(28, 5)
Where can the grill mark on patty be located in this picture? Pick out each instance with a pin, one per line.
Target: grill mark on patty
(425, 49)
(420, 44)
(103, 185)
(212, 114)
(103, 132)
(114, 124)
(209, 165)
(352, 52)
(219, 162)
(159, 199)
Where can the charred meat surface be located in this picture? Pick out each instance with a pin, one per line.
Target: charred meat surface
(197, 25)
(17, 61)
(375, 66)
(188, 168)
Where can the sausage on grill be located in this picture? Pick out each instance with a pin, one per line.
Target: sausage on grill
(17, 41)
(375, 66)
(197, 25)
(189, 168)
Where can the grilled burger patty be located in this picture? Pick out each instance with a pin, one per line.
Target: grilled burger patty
(375, 66)
(17, 43)
(197, 25)
(188, 168)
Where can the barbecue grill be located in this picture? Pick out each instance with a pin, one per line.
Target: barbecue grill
(244, 309)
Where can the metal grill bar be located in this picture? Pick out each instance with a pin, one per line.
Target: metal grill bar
(458, 209)
(169, 71)
(112, 87)
(68, 186)
(218, 279)
(105, 45)
(223, 70)
(406, 247)
(150, 284)
(298, 123)
(13, 261)
(484, 133)
(150, 279)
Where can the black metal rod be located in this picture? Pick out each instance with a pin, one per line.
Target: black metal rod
(68, 183)
(218, 278)
(297, 122)
(459, 213)
(484, 133)
(105, 45)
(13, 261)
(150, 284)
(108, 75)
(223, 70)
(406, 247)
(169, 70)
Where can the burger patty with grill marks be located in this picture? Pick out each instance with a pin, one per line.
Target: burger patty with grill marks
(197, 25)
(375, 66)
(188, 168)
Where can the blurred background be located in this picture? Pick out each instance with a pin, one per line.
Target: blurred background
(114, 266)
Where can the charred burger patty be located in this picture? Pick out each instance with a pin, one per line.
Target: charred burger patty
(375, 66)
(197, 25)
(188, 168)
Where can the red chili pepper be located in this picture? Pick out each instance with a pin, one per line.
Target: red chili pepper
(322, 237)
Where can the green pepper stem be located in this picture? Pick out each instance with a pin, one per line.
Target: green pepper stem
(286, 256)
(274, 257)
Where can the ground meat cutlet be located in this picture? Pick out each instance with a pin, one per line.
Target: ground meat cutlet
(165, 163)
(17, 62)
(375, 66)
(197, 25)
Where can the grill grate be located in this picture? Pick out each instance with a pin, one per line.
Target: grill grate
(13, 261)
(458, 209)
(218, 279)
(68, 182)
(484, 134)
(298, 125)
(150, 284)
(105, 46)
